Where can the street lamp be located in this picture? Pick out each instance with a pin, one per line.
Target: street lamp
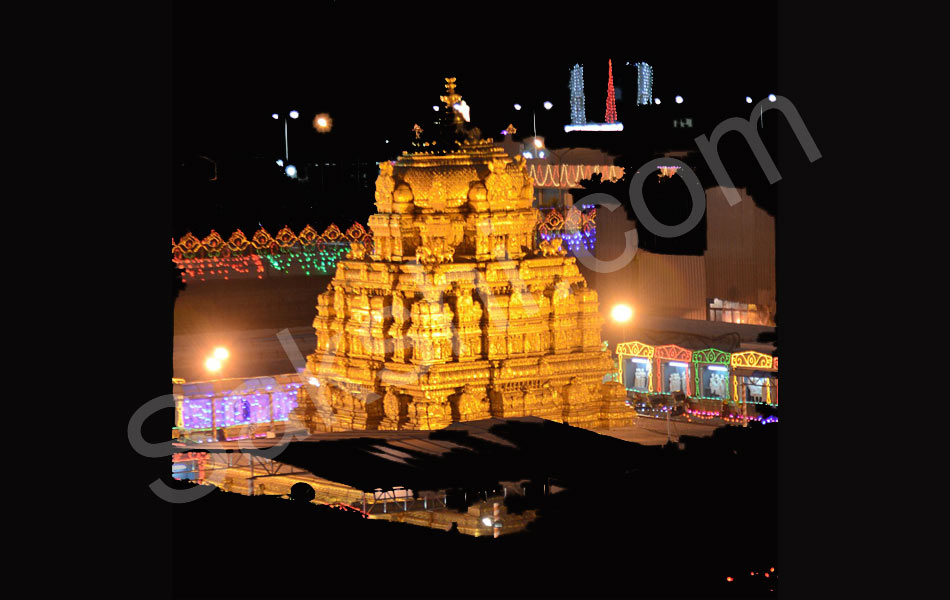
(622, 313)
(293, 115)
(322, 123)
(215, 362)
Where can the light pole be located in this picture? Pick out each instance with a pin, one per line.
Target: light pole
(293, 115)
(621, 313)
(213, 364)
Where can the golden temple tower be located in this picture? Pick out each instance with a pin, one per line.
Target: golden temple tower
(455, 313)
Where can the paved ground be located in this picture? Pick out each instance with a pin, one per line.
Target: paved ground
(652, 431)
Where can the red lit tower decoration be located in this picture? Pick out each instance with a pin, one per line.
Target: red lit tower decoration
(611, 116)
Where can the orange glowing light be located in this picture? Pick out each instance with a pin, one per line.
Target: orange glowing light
(322, 122)
(728, 578)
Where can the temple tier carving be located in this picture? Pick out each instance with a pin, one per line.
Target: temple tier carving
(455, 313)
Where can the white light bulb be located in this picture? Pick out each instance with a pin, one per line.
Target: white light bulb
(274, 116)
(679, 99)
(548, 105)
(294, 114)
(771, 97)
(517, 107)
(748, 100)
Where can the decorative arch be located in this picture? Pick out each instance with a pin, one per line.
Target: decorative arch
(712, 356)
(673, 352)
(750, 359)
(635, 349)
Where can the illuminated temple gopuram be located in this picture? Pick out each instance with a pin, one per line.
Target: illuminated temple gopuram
(455, 312)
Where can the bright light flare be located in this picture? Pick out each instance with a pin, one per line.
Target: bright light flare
(221, 353)
(538, 143)
(771, 97)
(486, 521)
(213, 364)
(679, 99)
(274, 116)
(517, 107)
(548, 105)
(322, 123)
(748, 99)
(621, 313)
(294, 114)
(291, 171)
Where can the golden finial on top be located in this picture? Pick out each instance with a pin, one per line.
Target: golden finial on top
(451, 98)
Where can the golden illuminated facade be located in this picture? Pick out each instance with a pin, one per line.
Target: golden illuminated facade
(453, 312)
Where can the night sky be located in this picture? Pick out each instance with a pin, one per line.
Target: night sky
(378, 69)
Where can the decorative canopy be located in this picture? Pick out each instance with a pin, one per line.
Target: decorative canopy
(674, 352)
(635, 349)
(712, 356)
(751, 359)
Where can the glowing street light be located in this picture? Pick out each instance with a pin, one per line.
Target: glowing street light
(291, 171)
(621, 313)
(538, 143)
(679, 99)
(548, 105)
(322, 123)
(748, 99)
(517, 107)
(771, 97)
(294, 114)
(656, 100)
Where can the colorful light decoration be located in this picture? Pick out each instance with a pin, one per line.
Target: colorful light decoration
(570, 176)
(668, 171)
(247, 407)
(644, 83)
(578, 112)
(711, 358)
(307, 253)
(577, 228)
(635, 349)
(751, 359)
(611, 115)
(595, 127)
